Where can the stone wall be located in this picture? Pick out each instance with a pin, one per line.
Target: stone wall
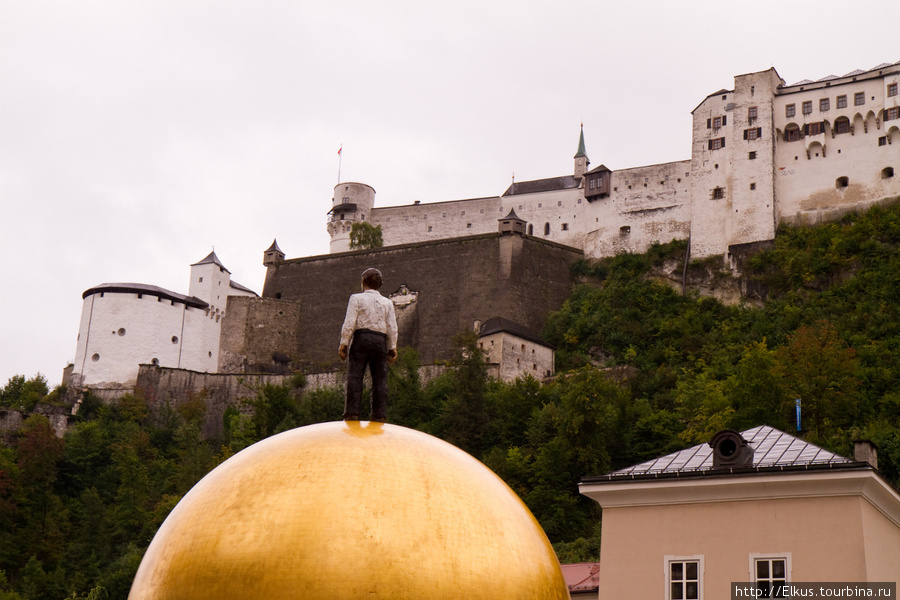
(260, 335)
(457, 282)
(161, 386)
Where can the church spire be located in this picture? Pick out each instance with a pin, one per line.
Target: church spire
(581, 158)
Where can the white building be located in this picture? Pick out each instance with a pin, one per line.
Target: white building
(762, 153)
(124, 325)
(516, 350)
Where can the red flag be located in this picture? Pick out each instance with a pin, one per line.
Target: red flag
(339, 150)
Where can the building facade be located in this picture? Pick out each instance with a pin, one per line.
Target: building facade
(762, 153)
(759, 507)
(124, 325)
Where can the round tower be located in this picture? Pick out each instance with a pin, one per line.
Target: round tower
(352, 203)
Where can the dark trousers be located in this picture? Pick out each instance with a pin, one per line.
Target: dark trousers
(368, 348)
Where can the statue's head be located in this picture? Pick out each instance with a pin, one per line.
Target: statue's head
(371, 278)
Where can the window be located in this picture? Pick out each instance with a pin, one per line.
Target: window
(842, 125)
(716, 122)
(752, 155)
(751, 114)
(892, 113)
(887, 172)
(841, 182)
(814, 128)
(753, 133)
(792, 133)
(824, 104)
(882, 141)
(625, 230)
(546, 228)
(859, 98)
(842, 101)
(683, 580)
(807, 107)
(565, 226)
(770, 575)
(718, 193)
(752, 186)
(717, 143)
(892, 89)
(790, 110)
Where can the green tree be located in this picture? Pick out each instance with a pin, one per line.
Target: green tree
(364, 236)
(463, 418)
(819, 369)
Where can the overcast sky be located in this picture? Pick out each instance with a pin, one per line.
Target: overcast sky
(136, 135)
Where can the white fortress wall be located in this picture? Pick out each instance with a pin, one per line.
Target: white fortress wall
(646, 205)
(711, 142)
(855, 143)
(751, 163)
(437, 220)
(557, 215)
(125, 330)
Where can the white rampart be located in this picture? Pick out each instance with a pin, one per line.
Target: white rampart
(747, 173)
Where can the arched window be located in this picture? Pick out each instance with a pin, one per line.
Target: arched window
(887, 172)
(792, 133)
(842, 125)
(546, 228)
(841, 182)
(530, 229)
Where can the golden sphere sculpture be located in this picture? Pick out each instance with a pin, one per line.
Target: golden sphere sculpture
(347, 510)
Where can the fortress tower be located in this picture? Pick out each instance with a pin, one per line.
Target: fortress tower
(352, 203)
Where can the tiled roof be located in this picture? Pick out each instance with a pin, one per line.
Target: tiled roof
(582, 577)
(771, 449)
(566, 182)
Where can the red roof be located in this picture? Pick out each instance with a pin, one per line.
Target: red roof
(582, 577)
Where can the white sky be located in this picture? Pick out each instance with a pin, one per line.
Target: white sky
(135, 135)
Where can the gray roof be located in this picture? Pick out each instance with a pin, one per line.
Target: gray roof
(142, 288)
(243, 288)
(211, 258)
(772, 449)
(498, 324)
(566, 182)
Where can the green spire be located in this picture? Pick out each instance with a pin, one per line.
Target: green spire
(582, 153)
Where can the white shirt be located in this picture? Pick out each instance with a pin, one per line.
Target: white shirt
(370, 310)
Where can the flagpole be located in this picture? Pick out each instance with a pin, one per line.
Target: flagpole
(340, 158)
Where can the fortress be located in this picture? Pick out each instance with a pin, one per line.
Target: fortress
(762, 153)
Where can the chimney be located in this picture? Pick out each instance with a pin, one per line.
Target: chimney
(865, 451)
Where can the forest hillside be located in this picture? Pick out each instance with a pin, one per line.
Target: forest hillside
(642, 370)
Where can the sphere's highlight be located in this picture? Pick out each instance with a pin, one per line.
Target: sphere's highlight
(350, 510)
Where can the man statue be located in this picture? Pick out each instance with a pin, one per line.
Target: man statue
(372, 325)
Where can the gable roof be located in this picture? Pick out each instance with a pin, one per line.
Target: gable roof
(582, 577)
(772, 450)
(499, 324)
(552, 184)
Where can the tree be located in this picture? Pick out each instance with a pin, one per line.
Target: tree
(819, 369)
(463, 419)
(364, 236)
